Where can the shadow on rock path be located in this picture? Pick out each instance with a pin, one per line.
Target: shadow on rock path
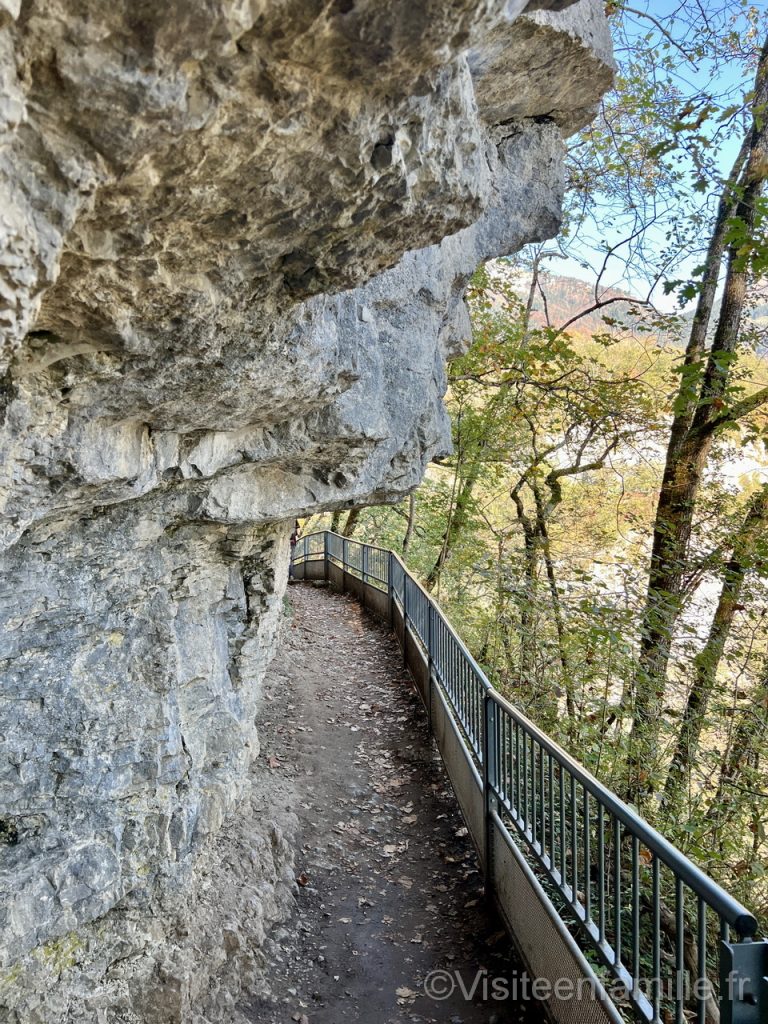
(389, 888)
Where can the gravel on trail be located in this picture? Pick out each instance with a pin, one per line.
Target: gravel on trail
(389, 889)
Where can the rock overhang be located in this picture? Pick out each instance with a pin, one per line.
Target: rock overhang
(236, 239)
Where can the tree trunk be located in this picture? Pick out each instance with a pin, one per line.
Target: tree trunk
(708, 659)
(539, 702)
(543, 513)
(351, 523)
(456, 524)
(687, 398)
(336, 521)
(411, 523)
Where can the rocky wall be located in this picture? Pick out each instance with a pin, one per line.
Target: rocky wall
(236, 236)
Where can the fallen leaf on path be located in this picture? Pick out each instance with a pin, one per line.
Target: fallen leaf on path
(405, 995)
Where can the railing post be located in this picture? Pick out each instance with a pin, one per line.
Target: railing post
(325, 554)
(430, 663)
(744, 982)
(390, 591)
(405, 617)
(489, 776)
(364, 571)
(343, 564)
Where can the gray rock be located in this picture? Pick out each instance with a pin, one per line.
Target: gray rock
(235, 243)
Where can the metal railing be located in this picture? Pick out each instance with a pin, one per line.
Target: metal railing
(678, 945)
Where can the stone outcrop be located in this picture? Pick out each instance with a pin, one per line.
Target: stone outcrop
(235, 237)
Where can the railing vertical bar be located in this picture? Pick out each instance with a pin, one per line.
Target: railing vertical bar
(561, 779)
(450, 682)
(617, 888)
(488, 773)
(468, 700)
(534, 792)
(601, 871)
(551, 811)
(457, 675)
(456, 672)
(504, 718)
(455, 685)
(656, 980)
(587, 848)
(517, 769)
(465, 694)
(635, 913)
(543, 818)
(679, 982)
(525, 779)
(473, 699)
(574, 845)
(502, 756)
(501, 759)
(701, 964)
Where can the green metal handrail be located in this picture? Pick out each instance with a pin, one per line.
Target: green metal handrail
(605, 862)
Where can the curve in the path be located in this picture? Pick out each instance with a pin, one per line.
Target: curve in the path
(390, 890)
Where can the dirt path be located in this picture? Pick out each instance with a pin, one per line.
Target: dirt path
(389, 885)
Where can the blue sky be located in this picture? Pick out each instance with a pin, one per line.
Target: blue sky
(725, 79)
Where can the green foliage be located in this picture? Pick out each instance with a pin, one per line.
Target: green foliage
(562, 435)
(750, 245)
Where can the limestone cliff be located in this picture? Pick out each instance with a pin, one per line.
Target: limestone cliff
(235, 240)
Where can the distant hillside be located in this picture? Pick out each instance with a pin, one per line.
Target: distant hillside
(560, 297)
(566, 296)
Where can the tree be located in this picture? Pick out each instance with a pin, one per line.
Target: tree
(705, 407)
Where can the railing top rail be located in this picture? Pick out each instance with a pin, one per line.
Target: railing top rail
(729, 908)
(718, 899)
(449, 626)
(351, 540)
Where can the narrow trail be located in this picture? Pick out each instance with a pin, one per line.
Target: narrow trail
(389, 887)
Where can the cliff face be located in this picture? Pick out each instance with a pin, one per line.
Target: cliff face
(235, 241)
